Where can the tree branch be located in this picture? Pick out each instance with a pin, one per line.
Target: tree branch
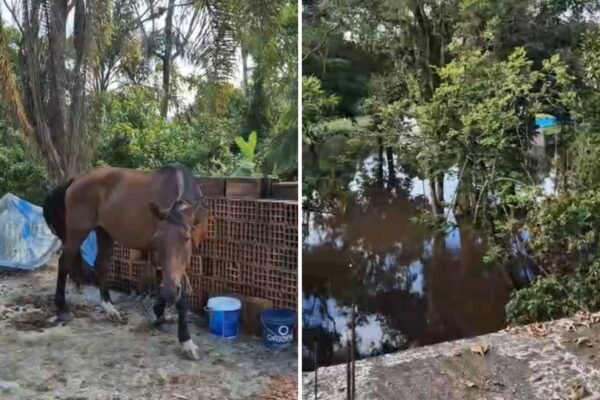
(13, 14)
(322, 42)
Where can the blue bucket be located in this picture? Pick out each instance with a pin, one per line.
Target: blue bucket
(224, 316)
(278, 326)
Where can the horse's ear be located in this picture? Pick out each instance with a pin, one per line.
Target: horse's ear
(186, 209)
(157, 212)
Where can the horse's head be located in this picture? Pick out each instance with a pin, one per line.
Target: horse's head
(172, 242)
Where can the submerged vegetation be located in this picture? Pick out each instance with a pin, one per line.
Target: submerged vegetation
(438, 89)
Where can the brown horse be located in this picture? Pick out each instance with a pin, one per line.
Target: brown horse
(159, 211)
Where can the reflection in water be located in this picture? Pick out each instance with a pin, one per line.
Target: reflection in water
(411, 286)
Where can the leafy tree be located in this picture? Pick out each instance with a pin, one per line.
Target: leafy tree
(20, 173)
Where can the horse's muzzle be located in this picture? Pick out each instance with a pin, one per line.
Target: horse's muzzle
(170, 294)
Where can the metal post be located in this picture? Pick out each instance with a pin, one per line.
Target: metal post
(316, 364)
(352, 354)
(348, 379)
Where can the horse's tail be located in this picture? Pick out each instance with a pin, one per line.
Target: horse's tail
(55, 216)
(55, 210)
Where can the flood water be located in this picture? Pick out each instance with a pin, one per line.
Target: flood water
(411, 286)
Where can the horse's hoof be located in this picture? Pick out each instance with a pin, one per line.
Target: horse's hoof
(112, 312)
(190, 350)
(63, 318)
(159, 325)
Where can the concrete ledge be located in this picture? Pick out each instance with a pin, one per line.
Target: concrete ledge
(556, 360)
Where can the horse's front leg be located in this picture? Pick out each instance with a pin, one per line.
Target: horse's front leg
(105, 245)
(159, 312)
(190, 350)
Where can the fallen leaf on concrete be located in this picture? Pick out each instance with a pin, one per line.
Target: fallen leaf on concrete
(512, 329)
(538, 330)
(584, 317)
(180, 396)
(468, 383)
(583, 341)
(456, 353)
(568, 325)
(536, 378)
(480, 348)
(577, 392)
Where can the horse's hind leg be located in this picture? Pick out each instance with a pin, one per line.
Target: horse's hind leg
(105, 245)
(66, 264)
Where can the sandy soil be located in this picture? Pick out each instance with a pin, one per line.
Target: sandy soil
(93, 358)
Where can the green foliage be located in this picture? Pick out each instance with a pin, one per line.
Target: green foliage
(20, 173)
(565, 230)
(246, 165)
(544, 300)
(564, 244)
(247, 147)
(315, 105)
(553, 297)
(343, 66)
(122, 125)
(275, 90)
(134, 135)
(454, 88)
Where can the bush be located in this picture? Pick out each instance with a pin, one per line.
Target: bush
(134, 135)
(554, 296)
(20, 173)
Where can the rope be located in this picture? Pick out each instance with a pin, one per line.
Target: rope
(187, 285)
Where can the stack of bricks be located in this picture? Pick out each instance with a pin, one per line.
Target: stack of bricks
(251, 249)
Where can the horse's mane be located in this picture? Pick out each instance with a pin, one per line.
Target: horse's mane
(54, 210)
(191, 191)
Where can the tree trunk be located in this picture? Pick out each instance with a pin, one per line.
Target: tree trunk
(74, 163)
(380, 161)
(245, 70)
(439, 187)
(465, 192)
(55, 113)
(167, 61)
(391, 168)
(436, 207)
(57, 106)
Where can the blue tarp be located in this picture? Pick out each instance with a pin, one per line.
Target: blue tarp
(88, 249)
(26, 242)
(546, 121)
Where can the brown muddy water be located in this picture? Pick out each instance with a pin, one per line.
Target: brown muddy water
(410, 286)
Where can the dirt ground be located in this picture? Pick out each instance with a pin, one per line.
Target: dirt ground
(92, 358)
(557, 360)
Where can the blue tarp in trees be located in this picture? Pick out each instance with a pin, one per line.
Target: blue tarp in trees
(546, 121)
(26, 242)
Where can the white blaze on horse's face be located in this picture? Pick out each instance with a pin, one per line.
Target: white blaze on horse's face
(172, 242)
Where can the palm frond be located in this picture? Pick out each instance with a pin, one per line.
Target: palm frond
(225, 24)
(11, 99)
(213, 47)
